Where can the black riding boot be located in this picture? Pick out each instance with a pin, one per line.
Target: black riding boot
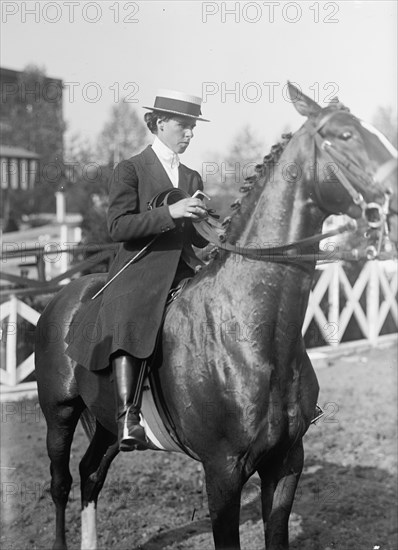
(128, 378)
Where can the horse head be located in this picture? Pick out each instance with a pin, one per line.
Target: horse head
(355, 165)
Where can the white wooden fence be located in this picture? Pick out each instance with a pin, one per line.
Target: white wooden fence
(377, 283)
(13, 374)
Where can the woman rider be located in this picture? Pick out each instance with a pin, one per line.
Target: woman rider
(120, 327)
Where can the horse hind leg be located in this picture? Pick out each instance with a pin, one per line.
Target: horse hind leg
(93, 468)
(61, 425)
(278, 487)
(266, 471)
(224, 492)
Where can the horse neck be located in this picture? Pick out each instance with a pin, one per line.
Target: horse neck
(284, 212)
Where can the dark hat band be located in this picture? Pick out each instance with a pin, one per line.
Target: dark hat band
(183, 107)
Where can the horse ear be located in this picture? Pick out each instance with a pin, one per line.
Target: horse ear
(337, 103)
(304, 104)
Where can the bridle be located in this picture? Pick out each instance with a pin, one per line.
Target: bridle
(374, 213)
(347, 173)
(349, 170)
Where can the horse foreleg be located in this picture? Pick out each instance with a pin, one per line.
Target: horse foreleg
(61, 423)
(277, 531)
(93, 469)
(224, 492)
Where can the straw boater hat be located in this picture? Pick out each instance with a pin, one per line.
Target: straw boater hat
(178, 103)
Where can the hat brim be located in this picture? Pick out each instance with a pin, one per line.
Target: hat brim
(185, 115)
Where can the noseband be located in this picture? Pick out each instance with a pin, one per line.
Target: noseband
(374, 213)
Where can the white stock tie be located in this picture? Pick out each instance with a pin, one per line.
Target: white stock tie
(175, 161)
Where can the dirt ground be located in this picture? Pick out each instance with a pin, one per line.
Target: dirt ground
(153, 500)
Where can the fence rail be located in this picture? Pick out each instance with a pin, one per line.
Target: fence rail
(12, 307)
(13, 374)
(370, 299)
(97, 253)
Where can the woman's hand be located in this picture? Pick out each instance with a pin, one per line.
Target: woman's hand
(190, 208)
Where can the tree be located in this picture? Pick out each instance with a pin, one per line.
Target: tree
(78, 149)
(87, 194)
(246, 147)
(225, 174)
(33, 113)
(84, 174)
(87, 188)
(122, 136)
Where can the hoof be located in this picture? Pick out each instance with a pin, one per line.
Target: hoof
(59, 546)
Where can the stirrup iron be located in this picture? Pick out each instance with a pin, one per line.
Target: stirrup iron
(319, 412)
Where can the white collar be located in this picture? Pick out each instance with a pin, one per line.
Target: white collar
(165, 154)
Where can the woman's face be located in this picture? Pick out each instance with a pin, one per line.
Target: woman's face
(176, 132)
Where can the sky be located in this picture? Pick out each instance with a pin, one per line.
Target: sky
(237, 55)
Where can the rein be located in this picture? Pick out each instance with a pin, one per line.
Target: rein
(374, 213)
(214, 232)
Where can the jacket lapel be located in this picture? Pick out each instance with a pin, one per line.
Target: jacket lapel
(183, 178)
(154, 169)
(158, 174)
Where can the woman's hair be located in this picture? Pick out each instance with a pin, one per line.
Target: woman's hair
(152, 118)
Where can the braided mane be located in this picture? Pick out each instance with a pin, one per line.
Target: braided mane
(252, 189)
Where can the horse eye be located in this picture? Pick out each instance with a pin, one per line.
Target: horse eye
(346, 136)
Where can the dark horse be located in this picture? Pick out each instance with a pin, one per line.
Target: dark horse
(238, 383)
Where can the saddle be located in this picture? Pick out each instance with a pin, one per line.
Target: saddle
(155, 416)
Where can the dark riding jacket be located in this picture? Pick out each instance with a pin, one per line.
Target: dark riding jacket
(128, 314)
